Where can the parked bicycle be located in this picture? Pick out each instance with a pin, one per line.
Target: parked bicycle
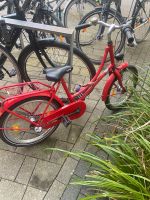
(29, 114)
(91, 40)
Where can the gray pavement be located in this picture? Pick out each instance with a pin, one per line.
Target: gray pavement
(36, 174)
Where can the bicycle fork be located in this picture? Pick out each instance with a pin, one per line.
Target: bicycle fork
(115, 75)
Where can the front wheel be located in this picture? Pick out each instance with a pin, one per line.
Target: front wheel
(116, 98)
(18, 132)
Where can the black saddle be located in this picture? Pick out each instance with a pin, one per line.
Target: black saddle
(55, 74)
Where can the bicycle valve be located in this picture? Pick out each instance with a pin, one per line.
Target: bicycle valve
(94, 21)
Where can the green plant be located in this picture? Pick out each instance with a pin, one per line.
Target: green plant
(126, 173)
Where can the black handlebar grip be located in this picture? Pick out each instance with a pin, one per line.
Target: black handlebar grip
(82, 26)
(129, 35)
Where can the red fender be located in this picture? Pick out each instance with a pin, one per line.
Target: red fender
(9, 102)
(110, 81)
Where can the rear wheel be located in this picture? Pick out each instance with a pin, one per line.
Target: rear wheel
(58, 55)
(117, 99)
(18, 132)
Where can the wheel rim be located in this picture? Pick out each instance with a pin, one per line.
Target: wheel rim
(77, 11)
(23, 132)
(92, 43)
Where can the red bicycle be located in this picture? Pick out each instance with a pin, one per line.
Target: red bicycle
(30, 112)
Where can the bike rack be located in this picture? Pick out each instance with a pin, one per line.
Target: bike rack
(67, 32)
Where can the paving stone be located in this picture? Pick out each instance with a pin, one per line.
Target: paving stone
(90, 105)
(101, 154)
(80, 145)
(34, 194)
(67, 170)
(91, 149)
(39, 150)
(44, 175)
(100, 106)
(26, 170)
(80, 196)
(55, 192)
(61, 133)
(10, 164)
(82, 168)
(82, 120)
(74, 133)
(95, 95)
(5, 146)
(11, 190)
(71, 191)
(88, 130)
(95, 116)
(59, 157)
(86, 190)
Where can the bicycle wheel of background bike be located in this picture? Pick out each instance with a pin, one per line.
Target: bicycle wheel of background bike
(141, 21)
(24, 133)
(93, 40)
(58, 54)
(116, 99)
(76, 10)
(9, 70)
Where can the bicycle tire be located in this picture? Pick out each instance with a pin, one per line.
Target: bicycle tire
(113, 88)
(10, 72)
(8, 136)
(140, 18)
(80, 74)
(94, 47)
(91, 4)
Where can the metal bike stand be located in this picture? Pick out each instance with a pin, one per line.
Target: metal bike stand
(67, 32)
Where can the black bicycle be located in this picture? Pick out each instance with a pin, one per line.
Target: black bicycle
(41, 54)
(92, 40)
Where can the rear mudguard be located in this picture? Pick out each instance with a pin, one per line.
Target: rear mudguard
(110, 81)
(10, 102)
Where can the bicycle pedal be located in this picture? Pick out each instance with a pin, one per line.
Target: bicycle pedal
(66, 121)
(12, 72)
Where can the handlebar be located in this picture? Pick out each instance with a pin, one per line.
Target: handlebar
(128, 31)
(126, 28)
